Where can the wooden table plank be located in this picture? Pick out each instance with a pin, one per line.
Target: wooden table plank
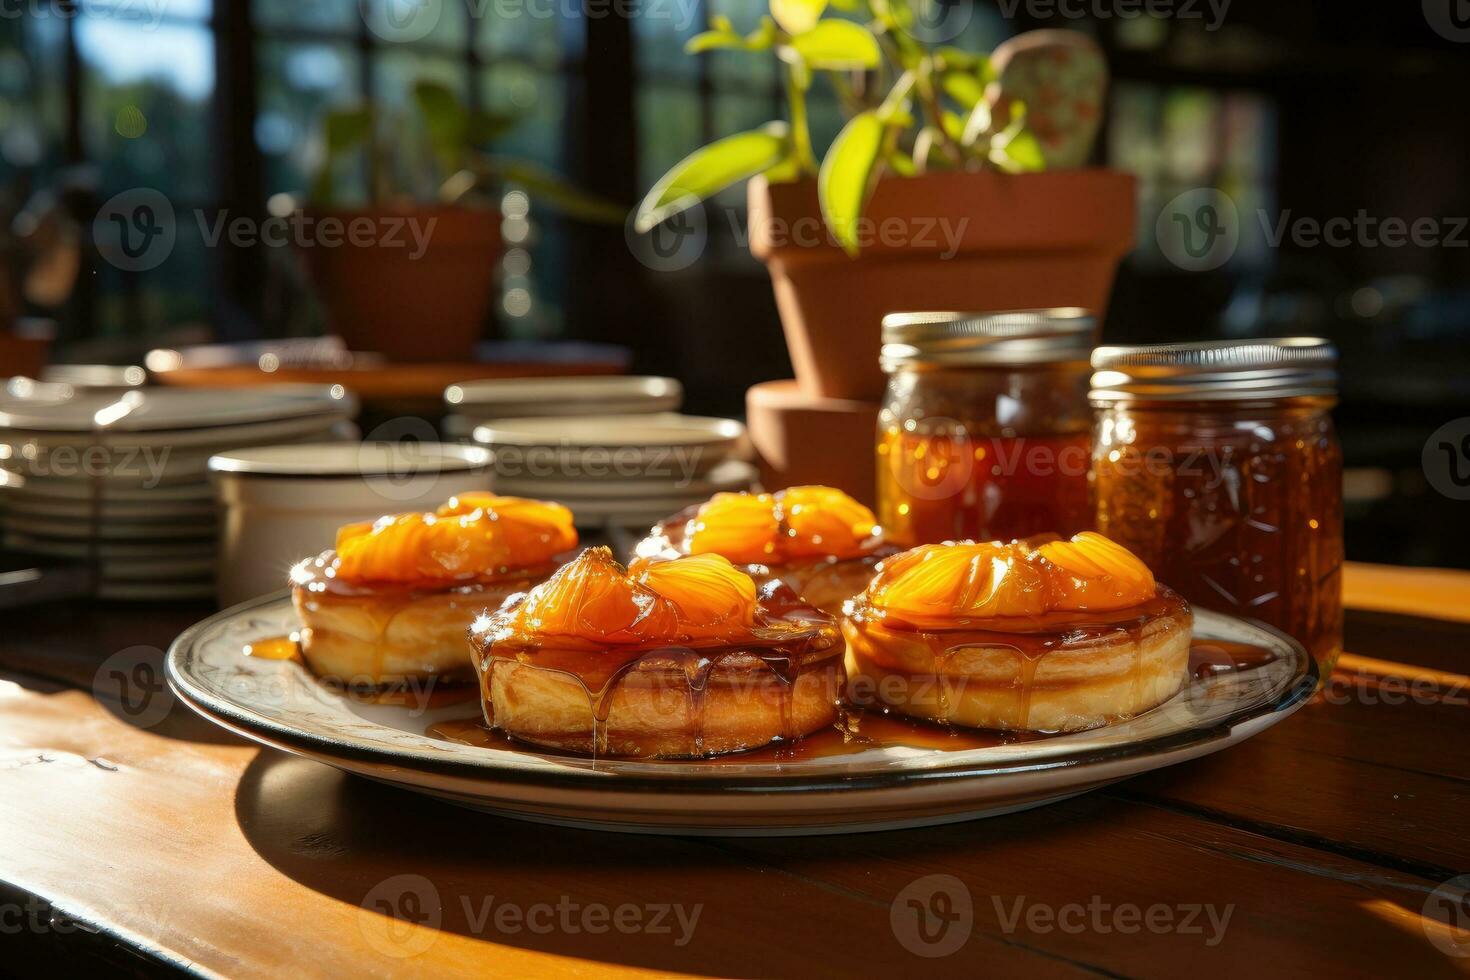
(1324, 837)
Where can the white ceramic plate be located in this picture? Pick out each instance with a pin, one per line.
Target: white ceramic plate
(278, 703)
(118, 467)
(199, 440)
(60, 408)
(154, 591)
(660, 448)
(139, 512)
(527, 397)
(108, 530)
(69, 490)
(192, 548)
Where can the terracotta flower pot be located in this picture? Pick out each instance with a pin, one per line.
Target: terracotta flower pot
(414, 284)
(943, 241)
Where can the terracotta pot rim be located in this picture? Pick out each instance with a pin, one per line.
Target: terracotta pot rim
(953, 213)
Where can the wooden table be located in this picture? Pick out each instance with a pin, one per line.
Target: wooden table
(1314, 848)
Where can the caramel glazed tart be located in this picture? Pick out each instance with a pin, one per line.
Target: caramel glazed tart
(704, 699)
(1065, 672)
(384, 634)
(826, 582)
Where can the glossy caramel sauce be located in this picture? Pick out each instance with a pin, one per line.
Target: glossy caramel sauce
(860, 729)
(1209, 658)
(946, 488)
(286, 647)
(856, 730)
(597, 623)
(319, 575)
(422, 693)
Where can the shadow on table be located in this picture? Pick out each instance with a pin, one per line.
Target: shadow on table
(404, 854)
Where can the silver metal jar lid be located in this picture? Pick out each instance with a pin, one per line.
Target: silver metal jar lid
(1225, 370)
(1064, 333)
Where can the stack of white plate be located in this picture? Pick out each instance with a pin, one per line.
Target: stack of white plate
(618, 470)
(470, 403)
(119, 481)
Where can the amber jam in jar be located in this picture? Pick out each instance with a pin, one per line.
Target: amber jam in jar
(1218, 465)
(985, 429)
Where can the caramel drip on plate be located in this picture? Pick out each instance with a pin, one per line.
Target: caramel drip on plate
(286, 647)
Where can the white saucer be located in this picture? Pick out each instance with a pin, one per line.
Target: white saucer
(529, 397)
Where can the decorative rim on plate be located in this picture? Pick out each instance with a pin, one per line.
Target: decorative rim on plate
(279, 703)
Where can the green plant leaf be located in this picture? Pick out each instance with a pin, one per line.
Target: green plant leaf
(445, 120)
(482, 126)
(978, 124)
(712, 40)
(964, 88)
(785, 171)
(846, 174)
(1020, 153)
(954, 126)
(837, 45)
(711, 169)
(797, 16)
(763, 37)
(551, 189)
(957, 58)
(900, 164)
(343, 130)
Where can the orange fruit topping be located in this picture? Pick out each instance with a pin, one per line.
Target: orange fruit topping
(800, 522)
(823, 521)
(743, 527)
(1096, 573)
(471, 536)
(596, 599)
(935, 583)
(707, 590)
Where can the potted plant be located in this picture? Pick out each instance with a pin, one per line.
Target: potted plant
(952, 185)
(418, 284)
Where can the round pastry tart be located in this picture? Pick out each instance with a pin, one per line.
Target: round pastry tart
(819, 541)
(1051, 637)
(393, 599)
(688, 657)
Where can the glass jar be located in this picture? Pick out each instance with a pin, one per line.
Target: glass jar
(1219, 466)
(985, 428)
